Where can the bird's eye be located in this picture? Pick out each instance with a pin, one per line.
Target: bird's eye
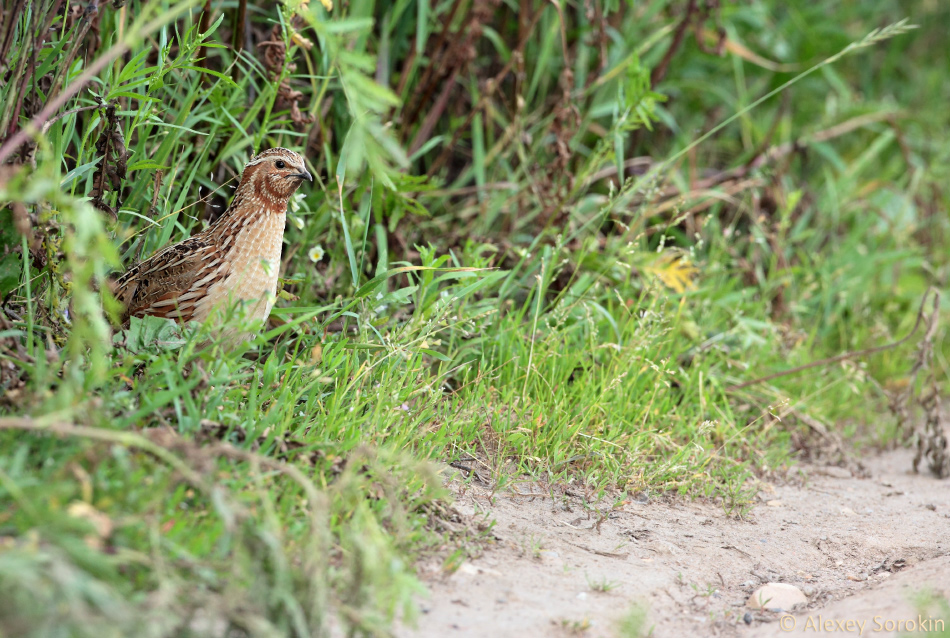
(280, 164)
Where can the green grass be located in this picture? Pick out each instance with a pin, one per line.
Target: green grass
(467, 282)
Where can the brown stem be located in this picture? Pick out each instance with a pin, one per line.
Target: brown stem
(240, 26)
(435, 113)
(164, 453)
(524, 13)
(426, 84)
(855, 354)
(491, 87)
(660, 71)
(406, 68)
(78, 36)
(128, 439)
(12, 109)
(17, 139)
(60, 116)
(10, 25)
(204, 23)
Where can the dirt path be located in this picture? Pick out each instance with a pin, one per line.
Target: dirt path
(859, 548)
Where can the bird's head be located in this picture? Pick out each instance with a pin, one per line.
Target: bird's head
(274, 175)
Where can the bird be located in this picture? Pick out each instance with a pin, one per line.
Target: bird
(233, 262)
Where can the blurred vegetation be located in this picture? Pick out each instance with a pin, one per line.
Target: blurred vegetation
(546, 242)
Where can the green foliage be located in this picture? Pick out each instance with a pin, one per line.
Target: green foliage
(11, 264)
(547, 241)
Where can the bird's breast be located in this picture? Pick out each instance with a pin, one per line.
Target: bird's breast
(252, 251)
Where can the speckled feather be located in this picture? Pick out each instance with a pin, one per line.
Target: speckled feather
(235, 259)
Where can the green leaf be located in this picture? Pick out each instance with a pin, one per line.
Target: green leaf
(422, 25)
(11, 267)
(220, 76)
(134, 68)
(437, 355)
(11, 263)
(348, 25)
(152, 333)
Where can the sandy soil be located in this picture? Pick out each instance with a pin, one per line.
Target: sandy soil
(860, 547)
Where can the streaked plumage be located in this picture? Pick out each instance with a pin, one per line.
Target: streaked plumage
(236, 259)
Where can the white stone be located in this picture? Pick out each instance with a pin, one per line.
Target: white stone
(776, 597)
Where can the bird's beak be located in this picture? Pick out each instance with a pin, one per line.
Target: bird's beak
(304, 175)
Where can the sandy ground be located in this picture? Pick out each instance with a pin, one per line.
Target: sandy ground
(860, 547)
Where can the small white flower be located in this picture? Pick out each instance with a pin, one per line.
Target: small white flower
(296, 201)
(316, 253)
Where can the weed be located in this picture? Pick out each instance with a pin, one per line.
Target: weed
(602, 585)
(633, 624)
(555, 243)
(576, 627)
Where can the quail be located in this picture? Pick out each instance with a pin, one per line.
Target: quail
(234, 261)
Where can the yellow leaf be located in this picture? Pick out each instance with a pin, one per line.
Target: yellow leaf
(301, 41)
(675, 271)
(101, 523)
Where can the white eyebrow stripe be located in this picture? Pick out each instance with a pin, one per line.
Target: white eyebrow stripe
(265, 155)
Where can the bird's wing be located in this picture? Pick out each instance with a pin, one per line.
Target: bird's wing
(172, 281)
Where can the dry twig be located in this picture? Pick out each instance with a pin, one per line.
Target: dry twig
(921, 315)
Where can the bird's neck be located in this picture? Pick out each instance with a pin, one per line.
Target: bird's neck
(247, 209)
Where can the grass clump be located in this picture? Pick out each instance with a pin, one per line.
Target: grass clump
(545, 244)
